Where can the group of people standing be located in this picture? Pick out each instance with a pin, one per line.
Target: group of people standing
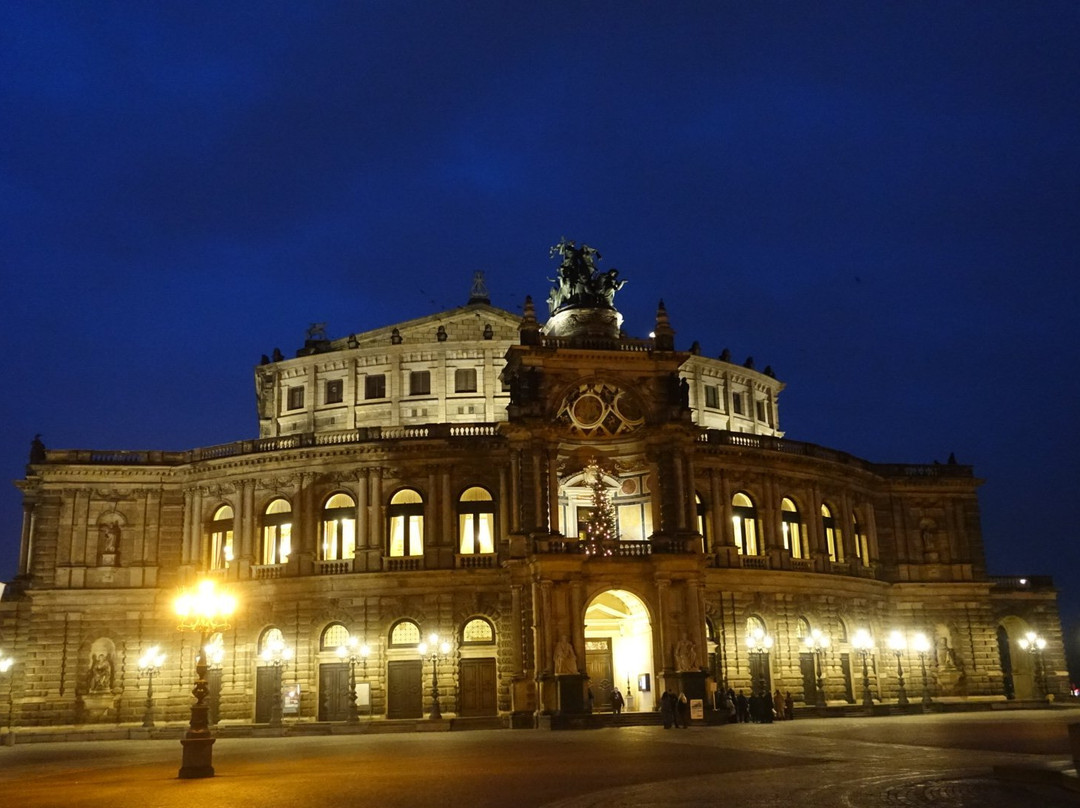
(759, 708)
(675, 710)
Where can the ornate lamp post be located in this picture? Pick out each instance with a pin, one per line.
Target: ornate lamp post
(149, 664)
(205, 610)
(816, 642)
(5, 665)
(1034, 645)
(215, 656)
(898, 644)
(863, 644)
(276, 653)
(921, 643)
(759, 643)
(353, 650)
(434, 649)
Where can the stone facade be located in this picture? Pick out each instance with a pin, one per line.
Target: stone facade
(457, 493)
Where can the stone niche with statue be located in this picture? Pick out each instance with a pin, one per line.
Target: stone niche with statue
(98, 695)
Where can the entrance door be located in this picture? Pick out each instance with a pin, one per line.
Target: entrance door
(761, 681)
(845, 667)
(267, 691)
(334, 691)
(809, 678)
(477, 687)
(599, 669)
(404, 689)
(1005, 655)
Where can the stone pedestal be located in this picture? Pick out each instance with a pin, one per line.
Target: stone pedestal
(570, 693)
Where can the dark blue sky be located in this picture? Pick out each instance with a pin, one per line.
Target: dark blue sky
(881, 200)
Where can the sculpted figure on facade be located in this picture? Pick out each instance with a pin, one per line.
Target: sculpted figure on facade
(686, 655)
(565, 657)
(578, 283)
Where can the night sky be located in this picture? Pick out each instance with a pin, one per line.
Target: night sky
(880, 200)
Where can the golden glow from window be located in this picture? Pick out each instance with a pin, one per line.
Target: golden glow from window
(221, 538)
(833, 537)
(792, 528)
(277, 532)
(334, 636)
(406, 524)
(862, 545)
(405, 633)
(339, 528)
(744, 524)
(476, 521)
(478, 631)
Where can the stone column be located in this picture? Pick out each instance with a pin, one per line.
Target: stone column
(362, 509)
(680, 490)
(516, 657)
(244, 528)
(553, 492)
(503, 508)
(662, 587)
(26, 552)
(538, 493)
(515, 491)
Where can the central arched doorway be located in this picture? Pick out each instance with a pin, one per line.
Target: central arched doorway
(619, 650)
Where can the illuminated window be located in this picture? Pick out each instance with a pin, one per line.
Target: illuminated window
(406, 514)
(404, 633)
(296, 398)
(862, 546)
(375, 386)
(465, 380)
(792, 527)
(338, 528)
(271, 638)
(277, 532)
(476, 521)
(802, 628)
(701, 510)
(334, 636)
(335, 391)
(221, 538)
(755, 626)
(834, 543)
(712, 396)
(744, 522)
(478, 631)
(420, 383)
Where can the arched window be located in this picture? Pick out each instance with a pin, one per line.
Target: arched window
(702, 522)
(862, 546)
(833, 536)
(333, 636)
(755, 626)
(478, 631)
(271, 638)
(476, 521)
(744, 522)
(802, 628)
(792, 527)
(404, 633)
(277, 532)
(221, 538)
(406, 513)
(338, 528)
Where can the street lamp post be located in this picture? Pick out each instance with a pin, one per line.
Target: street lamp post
(863, 644)
(205, 610)
(5, 665)
(149, 664)
(438, 649)
(921, 643)
(215, 656)
(353, 650)
(898, 644)
(759, 644)
(1034, 645)
(817, 642)
(276, 653)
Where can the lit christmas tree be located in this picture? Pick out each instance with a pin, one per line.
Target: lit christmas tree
(601, 531)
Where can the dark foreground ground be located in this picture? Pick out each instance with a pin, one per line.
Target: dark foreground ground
(941, 760)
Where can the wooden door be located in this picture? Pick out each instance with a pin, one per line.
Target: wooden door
(404, 689)
(477, 687)
(845, 667)
(334, 691)
(267, 690)
(808, 667)
(600, 671)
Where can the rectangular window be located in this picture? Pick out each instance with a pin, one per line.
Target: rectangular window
(736, 403)
(296, 398)
(761, 410)
(465, 380)
(375, 386)
(712, 397)
(420, 383)
(335, 391)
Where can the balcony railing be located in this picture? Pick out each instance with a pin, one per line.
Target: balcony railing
(479, 561)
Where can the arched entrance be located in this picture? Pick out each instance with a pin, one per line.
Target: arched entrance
(1017, 665)
(619, 650)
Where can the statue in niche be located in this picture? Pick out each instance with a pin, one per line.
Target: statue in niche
(565, 657)
(101, 673)
(110, 537)
(686, 655)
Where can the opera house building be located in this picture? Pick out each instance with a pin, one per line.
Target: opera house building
(488, 515)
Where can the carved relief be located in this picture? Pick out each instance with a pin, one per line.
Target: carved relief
(600, 409)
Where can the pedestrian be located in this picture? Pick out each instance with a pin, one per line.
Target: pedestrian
(667, 708)
(589, 700)
(616, 701)
(731, 710)
(789, 706)
(742, 708)
(778, 705)
(682, 709)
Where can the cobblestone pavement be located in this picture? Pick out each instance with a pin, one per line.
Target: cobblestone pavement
(929, 760)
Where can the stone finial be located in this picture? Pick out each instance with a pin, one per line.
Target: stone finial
(529, 328)
(663, 333)
(479, 291)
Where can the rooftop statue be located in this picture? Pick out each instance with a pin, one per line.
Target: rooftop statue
(579, 284)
